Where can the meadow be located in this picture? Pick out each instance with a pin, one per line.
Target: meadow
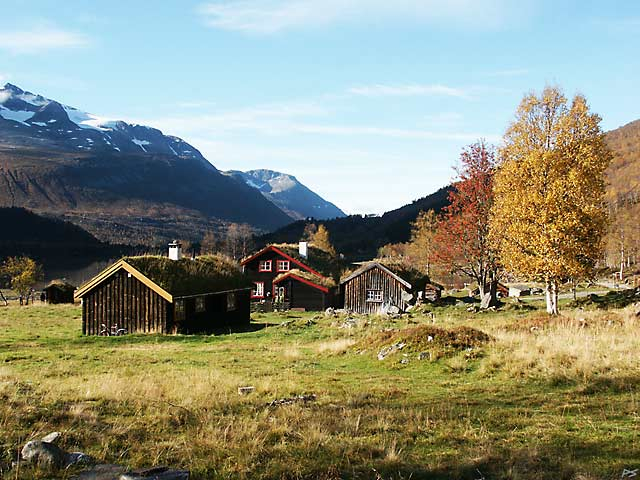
(511, 394)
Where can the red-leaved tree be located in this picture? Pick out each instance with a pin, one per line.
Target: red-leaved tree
(462, 236)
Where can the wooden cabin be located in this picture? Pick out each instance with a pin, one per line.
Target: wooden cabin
(375, 288)
(59, 291)
(432, 292)
(292, 276)
(154, 294)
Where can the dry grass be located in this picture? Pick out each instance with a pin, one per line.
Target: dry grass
(554, 402)
(581, 346)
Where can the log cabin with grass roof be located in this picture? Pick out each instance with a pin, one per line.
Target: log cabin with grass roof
(379, 287)
(293, 276)
(167, 295)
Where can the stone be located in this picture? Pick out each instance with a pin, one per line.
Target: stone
(291, 400)
(393, 310)
(156, 473)
(101, 472)
(52, 437)
(44, 454)
(424, 355)
(76, 458)
(382, 354)
(246, 390)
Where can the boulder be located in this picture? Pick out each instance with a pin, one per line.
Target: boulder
(393, 310)
(44, 454)
(157, 473)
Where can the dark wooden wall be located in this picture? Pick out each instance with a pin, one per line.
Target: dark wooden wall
(216, 316)
(355, 291)
(125, 301)
(305, 296)
(57, 295)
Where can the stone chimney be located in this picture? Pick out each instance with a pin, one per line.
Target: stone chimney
(303, 249)
(175, 250)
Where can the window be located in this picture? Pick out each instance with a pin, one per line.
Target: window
(258, 290)
(374, 295)
(264, 266)
(283, 265)
(179, 309)
(231, 301)
(200, 304)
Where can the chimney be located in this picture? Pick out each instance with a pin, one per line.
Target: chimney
(303, 249)
(175, 250)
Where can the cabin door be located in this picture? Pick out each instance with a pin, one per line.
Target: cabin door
(280, 294)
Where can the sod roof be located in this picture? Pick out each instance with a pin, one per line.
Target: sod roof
(205, 274)
(323, 282)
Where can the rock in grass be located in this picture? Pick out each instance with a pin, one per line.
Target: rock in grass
(246, 390)
(52, 437)
(156, 473)
(44, 454)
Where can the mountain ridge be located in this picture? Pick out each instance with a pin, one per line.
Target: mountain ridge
(124, 183)
(288, 193)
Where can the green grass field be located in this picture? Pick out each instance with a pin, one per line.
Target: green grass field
(544, 399)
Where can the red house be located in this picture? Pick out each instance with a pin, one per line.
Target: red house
(292, 276)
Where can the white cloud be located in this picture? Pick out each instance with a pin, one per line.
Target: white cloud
(4, 96)
(271, 16)
(379, 90)
(40, 38)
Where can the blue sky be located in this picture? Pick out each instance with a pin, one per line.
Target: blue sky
(368, 102)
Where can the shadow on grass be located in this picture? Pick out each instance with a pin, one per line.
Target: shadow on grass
(141, 338)
(613, 299)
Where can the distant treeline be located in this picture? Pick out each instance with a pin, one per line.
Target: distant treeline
(51, 242)
(360, 238)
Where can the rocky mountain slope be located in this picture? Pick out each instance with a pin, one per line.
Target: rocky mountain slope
(124, 183)
(298, 201)
(624, 171)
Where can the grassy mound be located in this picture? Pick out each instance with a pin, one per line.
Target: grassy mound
(439, 342)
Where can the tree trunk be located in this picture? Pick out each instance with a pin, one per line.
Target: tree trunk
(551, 292)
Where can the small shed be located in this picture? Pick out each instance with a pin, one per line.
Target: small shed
(517, 291)
(376, 288)
(433, 292)
(299, 289)
(154, 294)
(59, 291)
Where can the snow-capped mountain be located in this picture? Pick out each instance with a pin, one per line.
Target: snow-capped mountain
(67, 127)
(289, 194)
(124, 183)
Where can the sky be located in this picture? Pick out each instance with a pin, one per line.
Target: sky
(367, 102)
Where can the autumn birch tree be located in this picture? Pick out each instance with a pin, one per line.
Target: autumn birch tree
(462, 236)
(549, 216)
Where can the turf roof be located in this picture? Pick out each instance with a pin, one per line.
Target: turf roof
(205, 274)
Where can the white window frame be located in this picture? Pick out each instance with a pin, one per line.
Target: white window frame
(280, 265)
(265, 266)
(258, 290)
(374, 296)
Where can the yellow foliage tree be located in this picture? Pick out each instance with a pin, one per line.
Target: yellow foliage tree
(549, 217)
(321, 240)
(23, 272)
(421, 247)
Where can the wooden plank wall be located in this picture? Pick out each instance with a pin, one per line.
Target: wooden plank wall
(355, 292)
(124, 301)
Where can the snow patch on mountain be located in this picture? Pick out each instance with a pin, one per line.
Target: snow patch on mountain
(17, 116)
